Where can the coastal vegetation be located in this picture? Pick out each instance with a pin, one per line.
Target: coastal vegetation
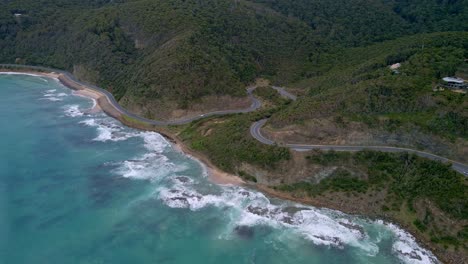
(361, 87)
(418, 192)
(227, 142)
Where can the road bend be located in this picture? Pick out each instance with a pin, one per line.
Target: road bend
(255, 131)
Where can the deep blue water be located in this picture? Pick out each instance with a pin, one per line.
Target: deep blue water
(81, 188)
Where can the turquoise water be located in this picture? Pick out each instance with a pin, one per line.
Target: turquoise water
(81, 188)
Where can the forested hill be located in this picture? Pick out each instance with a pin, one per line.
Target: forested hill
(361, 22)
(147, 50)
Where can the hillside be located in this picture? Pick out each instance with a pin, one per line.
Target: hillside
(159, 56)
(151, 52)
(361, 101)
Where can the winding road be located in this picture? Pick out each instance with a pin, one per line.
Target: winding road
(110, 98)
(255, 129)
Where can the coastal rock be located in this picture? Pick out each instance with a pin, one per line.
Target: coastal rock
(183, 179)
(411, 255)
(358, 228)
(257, 210)
(331, 240)
(245, 232)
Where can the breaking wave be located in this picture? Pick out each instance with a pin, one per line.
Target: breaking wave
(73, 111)
(108, 130)
(320, 226)
(51, 98)
(407, 248)
(153, 165)
(52, 95)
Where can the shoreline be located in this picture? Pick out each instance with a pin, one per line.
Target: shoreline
(441, 255)
(215, 174)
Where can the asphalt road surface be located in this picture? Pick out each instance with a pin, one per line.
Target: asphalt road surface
(255, 131)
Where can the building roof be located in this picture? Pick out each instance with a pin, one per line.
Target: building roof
(453, 80)
(395, 66)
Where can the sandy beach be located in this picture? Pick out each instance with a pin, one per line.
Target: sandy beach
(214, 174)
(94, 96)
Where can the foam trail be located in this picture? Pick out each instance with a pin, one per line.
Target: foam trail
(407, 249)
(321, 227)
(73, 111)
(42, 77)
(51, 98)
(21, 73)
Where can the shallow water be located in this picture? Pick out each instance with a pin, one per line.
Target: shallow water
(81, 188)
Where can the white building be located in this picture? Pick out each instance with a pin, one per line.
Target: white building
(454, 82)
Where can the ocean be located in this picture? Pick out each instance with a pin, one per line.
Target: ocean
(83, 188)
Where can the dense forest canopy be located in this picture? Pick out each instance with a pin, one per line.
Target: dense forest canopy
(184, 50)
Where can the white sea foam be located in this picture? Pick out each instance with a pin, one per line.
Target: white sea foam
(73, 111)
(153, 165)
(108, 130)
(51, 98)
(21, 73)
(45, 79)
(51, 95)
(94, 103)
(154, 141)
(321, 227)
(254, 208)
(407, 249)
(150, 166)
